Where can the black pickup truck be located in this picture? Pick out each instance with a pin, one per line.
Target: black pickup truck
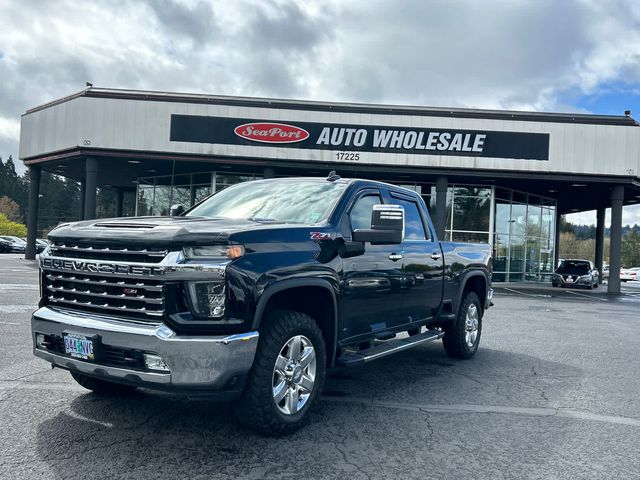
(255, 292)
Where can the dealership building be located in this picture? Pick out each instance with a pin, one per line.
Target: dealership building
(501, 177)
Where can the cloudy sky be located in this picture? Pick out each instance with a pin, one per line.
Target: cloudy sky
(544, 55)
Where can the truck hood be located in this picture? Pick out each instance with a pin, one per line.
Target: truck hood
(156, 231)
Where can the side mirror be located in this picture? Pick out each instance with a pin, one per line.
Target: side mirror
(387, 226)
(176, 210)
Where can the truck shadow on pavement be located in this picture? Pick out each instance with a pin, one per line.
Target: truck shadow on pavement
(154, 435)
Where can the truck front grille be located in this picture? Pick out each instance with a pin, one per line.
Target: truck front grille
(68, 282)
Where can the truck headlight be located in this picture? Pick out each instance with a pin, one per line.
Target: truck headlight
(214, 251)
(208, 298)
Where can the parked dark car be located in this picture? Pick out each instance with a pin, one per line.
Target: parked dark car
(575, 273)
(17, 244)
(40, 244)
(5, 246)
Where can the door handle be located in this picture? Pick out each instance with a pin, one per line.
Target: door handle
(394, 257)
(436, 256)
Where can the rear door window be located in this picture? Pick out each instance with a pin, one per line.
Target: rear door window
(413, 224)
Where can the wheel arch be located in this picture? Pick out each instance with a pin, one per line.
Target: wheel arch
(475, 282)
(313, 296)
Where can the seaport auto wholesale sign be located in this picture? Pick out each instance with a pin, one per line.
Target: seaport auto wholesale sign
(360, 138)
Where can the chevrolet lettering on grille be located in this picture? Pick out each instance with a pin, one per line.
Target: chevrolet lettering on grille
(99, 267)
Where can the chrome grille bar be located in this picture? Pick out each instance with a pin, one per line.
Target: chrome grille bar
(111, 282)
(75, 291)
(106, 306)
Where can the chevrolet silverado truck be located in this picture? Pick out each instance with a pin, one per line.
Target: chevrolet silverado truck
(254, 292)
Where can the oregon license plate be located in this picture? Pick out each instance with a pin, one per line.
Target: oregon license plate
(79, 346)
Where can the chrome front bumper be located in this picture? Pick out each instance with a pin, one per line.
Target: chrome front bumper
(194, 362)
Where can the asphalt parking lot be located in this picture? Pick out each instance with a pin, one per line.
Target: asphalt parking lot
(551, 394)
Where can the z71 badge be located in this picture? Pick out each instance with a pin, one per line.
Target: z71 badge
(320, 236)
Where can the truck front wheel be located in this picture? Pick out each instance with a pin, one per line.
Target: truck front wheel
(287, 374)
(461, 339)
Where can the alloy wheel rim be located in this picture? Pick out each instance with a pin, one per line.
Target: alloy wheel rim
(471, 325)
(294, 375)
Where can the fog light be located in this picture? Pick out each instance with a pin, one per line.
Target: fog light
(208, 298)
(40, 341)
(155, 362)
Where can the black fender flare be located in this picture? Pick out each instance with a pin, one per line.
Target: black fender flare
(463, 284)
(290, 283)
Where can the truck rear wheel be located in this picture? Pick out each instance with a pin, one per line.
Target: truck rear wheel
(101, 386)
(287, 374)
(461, 339)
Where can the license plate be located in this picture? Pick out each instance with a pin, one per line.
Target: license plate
(569, 280)
(79, 347)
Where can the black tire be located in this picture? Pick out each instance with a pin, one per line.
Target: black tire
(101, 387)
(455, 338)
(258, 409)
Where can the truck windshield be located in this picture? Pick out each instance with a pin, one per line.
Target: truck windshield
(290, 201)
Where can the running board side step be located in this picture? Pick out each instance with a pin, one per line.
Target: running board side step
(390, 347)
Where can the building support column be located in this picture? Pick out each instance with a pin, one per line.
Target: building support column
(268, 172)
(441, 206)
(556, 240)
(617, 198)
(32, 220)
(83, 189)
(600, 242)
(119, 202)
(91, 178)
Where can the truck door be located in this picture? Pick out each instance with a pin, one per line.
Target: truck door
(371, 283)
(422, 264)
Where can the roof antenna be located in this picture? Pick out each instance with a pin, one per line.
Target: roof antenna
(333, 176)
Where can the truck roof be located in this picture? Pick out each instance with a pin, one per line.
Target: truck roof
(345, 181)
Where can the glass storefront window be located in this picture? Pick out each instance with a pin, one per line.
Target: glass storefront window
(502, 216)
(201, 192)
(145, 196)
(534, 228)
(517, 248)
(472, 192)
(471, 237)
(471, 213)
(518, 219)
(224, 180)
(532, 264)
(500, 257)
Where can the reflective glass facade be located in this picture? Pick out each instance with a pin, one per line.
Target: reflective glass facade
(156, 194)
(519, 226)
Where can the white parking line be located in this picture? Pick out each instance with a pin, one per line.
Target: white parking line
(527, 294)
(586, 296)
